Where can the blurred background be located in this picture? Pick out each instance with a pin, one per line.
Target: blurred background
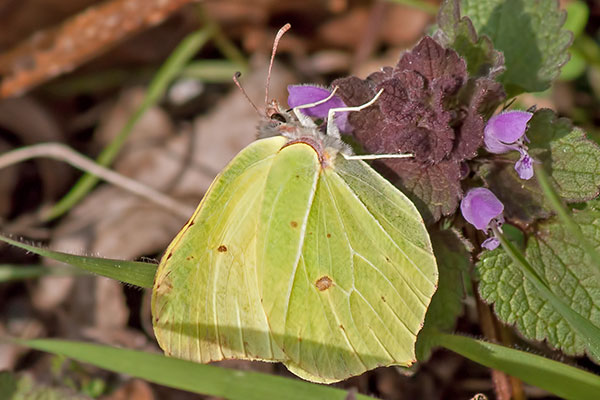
(92, 74)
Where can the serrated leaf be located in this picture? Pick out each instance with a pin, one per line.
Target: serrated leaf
(568, 272)
(458, 33)
(435, 190)
(447, 302)
(529, 33)
(417, 113)
(570, 159)
(132, 272)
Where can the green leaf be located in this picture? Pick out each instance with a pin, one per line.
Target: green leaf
(185, 375)
(447, 303)
(529, 33)
(577, 17)
(575, 67)
(568, 157)
(458, 33)
(565, 217)
(557, 296)
(563, 380)
(132, 272)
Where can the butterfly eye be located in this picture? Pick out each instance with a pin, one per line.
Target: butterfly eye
(278, 117)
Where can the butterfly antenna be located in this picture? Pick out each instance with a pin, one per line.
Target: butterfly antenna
(510, 103)
(280, 33)
(236, 78)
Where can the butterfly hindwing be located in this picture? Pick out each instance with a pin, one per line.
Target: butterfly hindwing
(206, 303)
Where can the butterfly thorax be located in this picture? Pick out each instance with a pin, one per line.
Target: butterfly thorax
(280, 122)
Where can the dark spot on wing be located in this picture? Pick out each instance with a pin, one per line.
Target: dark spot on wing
(383, 298)
(329, 235)
(191, 223)
(170, 255)
(294, 224)
(222, 248)
(387, 259)
(323, 283)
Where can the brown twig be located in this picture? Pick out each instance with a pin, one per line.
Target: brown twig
(61, 152)
(60, 49)
(505, 386)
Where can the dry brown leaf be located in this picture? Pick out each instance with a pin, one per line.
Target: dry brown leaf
(20, 18)
(347, 30)
(404, 25)
(61, 49)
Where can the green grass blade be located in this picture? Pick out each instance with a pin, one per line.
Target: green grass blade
(211, 71)
(563, 380)
(583, 326)
(132, 272)
(21, 272)
(221, 41)
(165, 75)
(186, 375)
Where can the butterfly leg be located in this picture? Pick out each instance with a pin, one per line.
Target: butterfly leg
(305, 120)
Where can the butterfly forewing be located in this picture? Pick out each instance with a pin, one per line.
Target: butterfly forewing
(356, 296)
(206, 303)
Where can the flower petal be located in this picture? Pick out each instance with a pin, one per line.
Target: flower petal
(504, 129)
(305, 94)
(524, 166)
(490, 243)
(480, 206)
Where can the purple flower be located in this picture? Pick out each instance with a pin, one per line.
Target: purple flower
(305, 94)
(505, 132)
(482, 209)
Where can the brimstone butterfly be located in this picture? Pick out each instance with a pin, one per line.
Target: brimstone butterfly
(298, 254)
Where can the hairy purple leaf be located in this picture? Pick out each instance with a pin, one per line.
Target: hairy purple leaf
(430, 108)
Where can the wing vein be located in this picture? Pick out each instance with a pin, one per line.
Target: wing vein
(382, 195)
